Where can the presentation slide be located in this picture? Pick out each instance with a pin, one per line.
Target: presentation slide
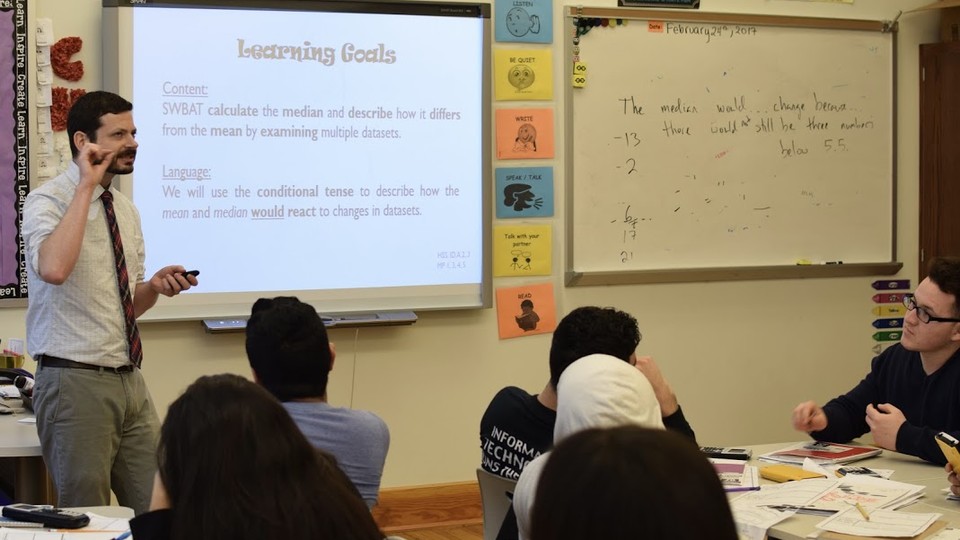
(310, 150)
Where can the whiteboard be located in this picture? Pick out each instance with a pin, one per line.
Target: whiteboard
(733, 144)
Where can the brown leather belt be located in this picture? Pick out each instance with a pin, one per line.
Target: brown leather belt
(54, 362)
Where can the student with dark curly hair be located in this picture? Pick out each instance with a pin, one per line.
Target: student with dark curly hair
(518, 426)
(232, 465)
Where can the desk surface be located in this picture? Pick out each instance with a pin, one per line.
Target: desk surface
(909, 469)
(18, 439)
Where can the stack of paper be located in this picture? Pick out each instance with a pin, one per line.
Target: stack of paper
(821, 452)
(869, 492)
(882, 523)
(757, 510)
(736, 475)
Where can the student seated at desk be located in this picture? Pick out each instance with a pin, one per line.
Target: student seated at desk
(528, 420)
(630, 482)
(595, 391)
(232, 465)
(913, 388)
(292, 357)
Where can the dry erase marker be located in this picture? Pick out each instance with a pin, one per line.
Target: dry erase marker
(888, 323)
(887, 336)
(889, 285)
(888, 298)
(890, 310)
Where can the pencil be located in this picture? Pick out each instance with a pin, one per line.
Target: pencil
(863, 511)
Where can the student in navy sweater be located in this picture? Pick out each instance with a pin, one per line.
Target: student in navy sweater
(913, 389)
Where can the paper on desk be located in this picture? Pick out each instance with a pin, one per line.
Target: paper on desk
(870, 492)
(99, 528)
(752, 511)
(29, 534)
(28, 420)
(736, 474)
(104, 523)
(947, 534)
(814, 467)
(887, 523)
(800, 493)
(754, 521)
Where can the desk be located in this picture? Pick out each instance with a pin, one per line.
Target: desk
(909, 469)
(124, 512)
(20, 442)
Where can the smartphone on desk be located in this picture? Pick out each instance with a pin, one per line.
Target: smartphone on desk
(948, 445)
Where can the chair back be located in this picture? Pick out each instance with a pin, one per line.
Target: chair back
(495, 496)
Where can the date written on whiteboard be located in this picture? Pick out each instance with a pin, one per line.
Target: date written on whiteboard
(710, 31)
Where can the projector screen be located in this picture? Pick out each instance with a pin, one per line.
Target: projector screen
(336, 151)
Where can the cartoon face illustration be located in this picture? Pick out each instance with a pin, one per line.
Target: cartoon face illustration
(521, 76)
(519, 22)
(526, 140)
(520, 197)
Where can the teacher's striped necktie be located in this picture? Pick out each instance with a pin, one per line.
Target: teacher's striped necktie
(123, 281)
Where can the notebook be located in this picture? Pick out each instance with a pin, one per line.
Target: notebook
(822, 453)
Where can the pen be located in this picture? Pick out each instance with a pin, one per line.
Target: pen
(123, 536)
(862, 510)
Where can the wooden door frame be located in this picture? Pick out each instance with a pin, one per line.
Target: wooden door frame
(930, 150)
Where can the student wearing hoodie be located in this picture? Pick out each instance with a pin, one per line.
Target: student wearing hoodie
(596, 391)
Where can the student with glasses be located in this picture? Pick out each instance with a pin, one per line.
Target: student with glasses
(912, 391)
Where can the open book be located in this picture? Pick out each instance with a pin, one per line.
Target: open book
(821, 452)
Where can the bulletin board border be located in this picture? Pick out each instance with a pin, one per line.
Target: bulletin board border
(15, 294)
(575, 278)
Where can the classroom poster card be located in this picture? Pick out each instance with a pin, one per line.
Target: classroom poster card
(526, 310)
(524, 192)
(529, 21)
(524, 133)
(523, 74)
(522, 250)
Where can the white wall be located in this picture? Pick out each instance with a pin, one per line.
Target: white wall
(739, 354)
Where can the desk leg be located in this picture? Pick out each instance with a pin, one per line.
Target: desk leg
(32, 484)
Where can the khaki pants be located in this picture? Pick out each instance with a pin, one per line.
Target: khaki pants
(98, 431)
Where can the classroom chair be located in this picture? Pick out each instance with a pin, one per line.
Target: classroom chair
(495, 498)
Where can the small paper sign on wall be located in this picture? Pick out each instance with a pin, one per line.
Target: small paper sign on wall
(522, 250)
(526, 310)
